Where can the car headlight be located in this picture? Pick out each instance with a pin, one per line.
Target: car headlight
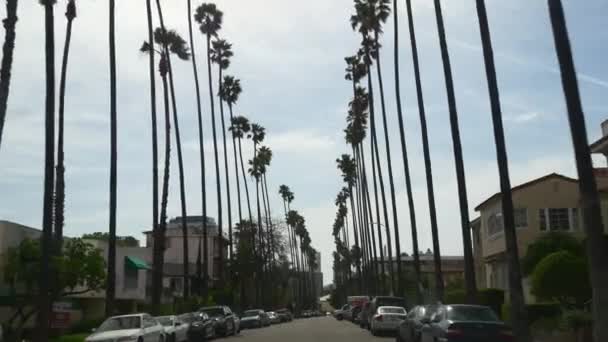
(127, 338)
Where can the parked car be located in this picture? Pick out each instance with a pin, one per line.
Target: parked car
(387, 319)
(285, 315)
(455, 323)
(175, 329)
(200, 326)
(379, 301)
(224, 319)
(254, 319)
(274, 317)
(410, 329)
(339, 314)
(137, 327)
(348, 313)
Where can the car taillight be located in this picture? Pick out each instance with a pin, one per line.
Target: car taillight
(505, 336)
(454, 333)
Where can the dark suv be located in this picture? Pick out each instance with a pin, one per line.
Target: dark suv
(225, 324)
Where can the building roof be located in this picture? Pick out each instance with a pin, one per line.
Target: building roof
(600, 146)
(527, 184)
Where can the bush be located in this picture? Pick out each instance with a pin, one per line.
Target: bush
(561, 276)
(576, 320)
(455, 297)
(549, 243)
(70, 338)
(85, 326)
(545, 310)
(494, 298)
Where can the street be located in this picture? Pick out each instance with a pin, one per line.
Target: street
(306, 330)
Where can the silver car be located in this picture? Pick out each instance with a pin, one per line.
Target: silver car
(387, 319)
(175, 329)
(129, 328)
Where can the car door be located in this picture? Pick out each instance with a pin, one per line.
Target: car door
(229, 318)
(181, 330)
(152, 329)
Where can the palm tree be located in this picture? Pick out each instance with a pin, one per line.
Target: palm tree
(469, 269)
(210, 19)
(516, 291)
(439, 287)
(220, 55)
(111, 286)
(173, 43)
(369, 18)
(592, 215)
(201, 148)
(168, 42)
(230, 92)
(240, 128)
(7, 59)
(60, 170)
(349, 171)
(265, 155)
(44, 302)
(255, 171)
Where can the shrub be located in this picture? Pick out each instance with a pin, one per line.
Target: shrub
(455, 297)
(85, 326)
(548, 244)
(561, 276)
(494, 298)
(545, 310)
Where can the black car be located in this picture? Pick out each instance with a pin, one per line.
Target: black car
(224, 319)
(284, 315)
(200, 326)
(411, 328)
(254, 319)
(470, 323)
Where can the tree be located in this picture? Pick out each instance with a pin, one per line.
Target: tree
(201, 148)
(7, 59)
(516, 291)
(562, 276)
(121, 241)
(79, 269)
(469, 266)
(427, 155)
(547, 244)
(240, 128)
(209, 18)
(230, 92)
(220, 55)
(591, 208)
(44, 301)
(60, 170)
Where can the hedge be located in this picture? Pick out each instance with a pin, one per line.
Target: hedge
(536, 311)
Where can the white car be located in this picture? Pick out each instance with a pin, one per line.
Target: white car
(129, 328)
(175, 329)
(387, 319)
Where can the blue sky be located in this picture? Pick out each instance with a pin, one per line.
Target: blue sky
(289, 56)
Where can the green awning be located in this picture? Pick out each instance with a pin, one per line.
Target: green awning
(136, 263)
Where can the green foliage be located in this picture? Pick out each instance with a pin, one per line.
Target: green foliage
(543, 310)
(547, 244)
(561, 276)
(546, 324)
(575, 320)
(71, 338)
(494, 298)
(455, 296)
(80, 268)
(121, 241)
(454, 284)
(85, 326)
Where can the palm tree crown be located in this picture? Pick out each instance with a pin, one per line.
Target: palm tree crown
(370, 15)
(231, 89)
(240, 126)
(258, 133)
(347, 165)
(221, 51)
(209, 18)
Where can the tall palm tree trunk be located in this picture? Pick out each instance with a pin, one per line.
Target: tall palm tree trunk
(44, 301)
(516, 292)
(200, 146)
(380, 272)
(356, 236)
(469, 270)
(180, 162)
(7, 59)
(363, 226)
(439, 286)
(236, 170)
(245, 180)
(154, 122)
(592, 218)
(273, 242)
(376, 166)
(391, 183)
(368, 211)
(228, 200)
(60, 170)
(362, 239)
(111, 285)
(215, 153)
(159, 237)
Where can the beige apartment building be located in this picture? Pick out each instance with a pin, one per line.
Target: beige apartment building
(546, 204)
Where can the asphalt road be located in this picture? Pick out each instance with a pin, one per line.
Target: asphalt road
(309, 330)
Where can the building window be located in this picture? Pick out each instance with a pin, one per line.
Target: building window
(558, 219)
(176, 285)
(495, 224)
(521, 217)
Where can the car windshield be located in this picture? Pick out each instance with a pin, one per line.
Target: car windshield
(471, 313)
(120, 323)
(428, 311)
(392, 311)
(165, 320)
(251, 313)
(213, 312)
